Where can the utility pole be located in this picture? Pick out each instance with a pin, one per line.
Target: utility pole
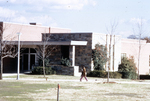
(18, 55)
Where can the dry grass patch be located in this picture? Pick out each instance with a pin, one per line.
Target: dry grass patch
(42, 90)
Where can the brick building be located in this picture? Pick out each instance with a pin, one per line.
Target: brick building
(77, 47)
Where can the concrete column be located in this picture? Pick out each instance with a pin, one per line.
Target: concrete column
(73, 55)
(114, 54)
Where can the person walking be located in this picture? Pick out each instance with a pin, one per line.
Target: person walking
(83, 74)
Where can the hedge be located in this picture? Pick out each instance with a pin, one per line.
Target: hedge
(39, 70)
(104, 74)
(129, 75)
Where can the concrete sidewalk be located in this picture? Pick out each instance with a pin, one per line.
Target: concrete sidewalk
(11, 74)
(91, 81)
(77, 80)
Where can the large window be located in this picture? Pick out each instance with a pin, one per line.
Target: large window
(28, 58)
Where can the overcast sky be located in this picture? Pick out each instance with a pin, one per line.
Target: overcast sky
(80, 15)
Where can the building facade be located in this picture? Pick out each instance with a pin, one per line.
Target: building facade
(130, 47)
(77, 47)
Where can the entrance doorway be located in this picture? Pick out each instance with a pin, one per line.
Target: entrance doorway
(28, 59)
(25, 62)
(65, 52)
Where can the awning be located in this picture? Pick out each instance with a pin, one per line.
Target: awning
(74, 43)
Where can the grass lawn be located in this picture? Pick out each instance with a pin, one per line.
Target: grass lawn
(37, 89)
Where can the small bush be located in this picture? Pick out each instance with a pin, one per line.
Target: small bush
(128, 68)
(97, 73)
(115, 75)
(99, 56)
(49, 71)
(129, 75)
(39, 70)
(65, 62)
(46, 62)
(104, 74)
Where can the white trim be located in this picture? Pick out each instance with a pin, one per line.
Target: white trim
(78, 43)
(73, 55)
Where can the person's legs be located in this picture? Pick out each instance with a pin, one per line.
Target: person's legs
(86, 78)
(81, 78)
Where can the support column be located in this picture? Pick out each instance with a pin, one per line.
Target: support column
(114, 54)
(73, 55)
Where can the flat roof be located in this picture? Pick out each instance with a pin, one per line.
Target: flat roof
(76, 43)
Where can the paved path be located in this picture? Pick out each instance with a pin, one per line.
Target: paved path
(75, 80)
(61, 80)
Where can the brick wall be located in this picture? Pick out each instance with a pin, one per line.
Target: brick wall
(83, 54)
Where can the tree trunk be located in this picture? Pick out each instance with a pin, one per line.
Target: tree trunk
(44, 61)
(1, 71)
(43, 67)
(109, 57)
(139, 57)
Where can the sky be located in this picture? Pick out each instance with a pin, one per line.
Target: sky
(81, 15)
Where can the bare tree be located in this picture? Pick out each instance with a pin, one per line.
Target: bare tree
(44, 51)
(111, 32)
(139, 32)
(8, 47)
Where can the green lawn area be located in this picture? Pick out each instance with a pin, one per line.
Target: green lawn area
(37, 89)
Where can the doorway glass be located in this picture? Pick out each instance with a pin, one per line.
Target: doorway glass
(32, 60)
(25, 62)
(65, 52)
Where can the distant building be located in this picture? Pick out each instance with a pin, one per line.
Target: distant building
(130, 47)
(77, 47)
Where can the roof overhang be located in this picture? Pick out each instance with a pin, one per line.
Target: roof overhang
(76, 43)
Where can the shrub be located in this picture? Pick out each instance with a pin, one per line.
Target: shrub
(99, 55)
(128, 68)
(65, 62)
(104, 74)
(129, 75)
(97, 73)
(39, 70)
(49, 71)
(46, 62)
(114, 75)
